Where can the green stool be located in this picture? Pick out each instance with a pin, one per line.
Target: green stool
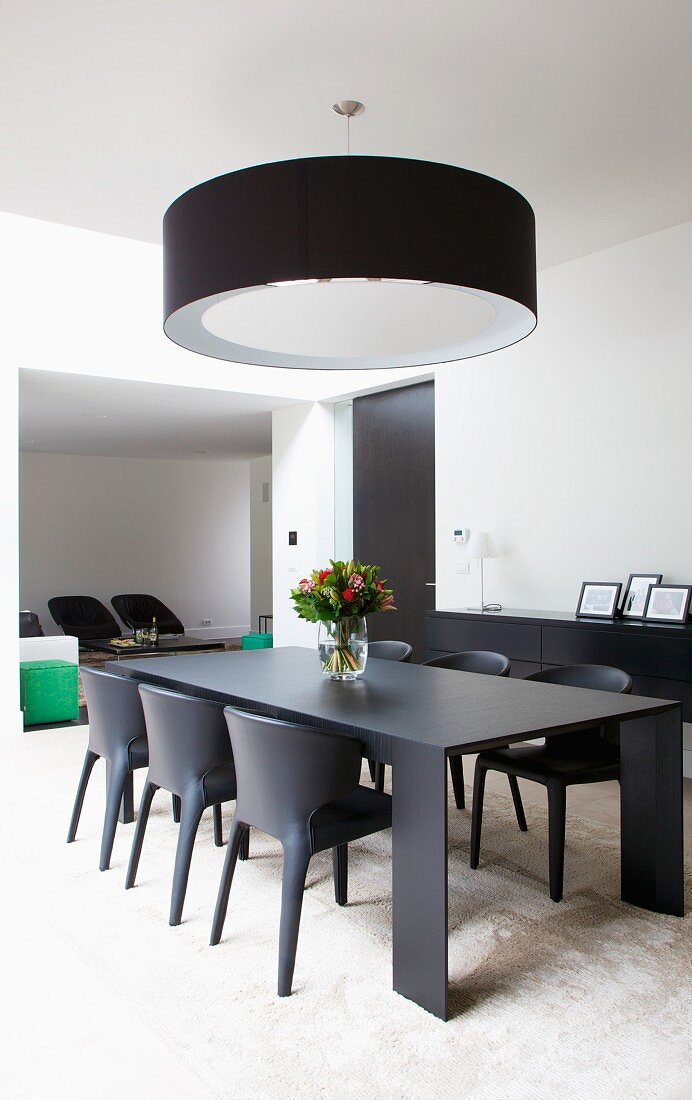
(48, 692)
(253, 640)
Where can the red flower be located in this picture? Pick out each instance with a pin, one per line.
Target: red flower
(380, 586)
(324, 573)
(349, 595)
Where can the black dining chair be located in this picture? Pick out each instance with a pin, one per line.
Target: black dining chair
(83, 617)
(390, 651)
(588, 756)
(386, 651)
(301, 786)
(190, 756)
(117, 734)
(486, 663)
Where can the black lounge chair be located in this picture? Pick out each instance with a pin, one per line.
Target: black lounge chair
(84, 617)
(137, 610)
(29, 625)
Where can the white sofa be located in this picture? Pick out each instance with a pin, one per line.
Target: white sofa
(58, 647)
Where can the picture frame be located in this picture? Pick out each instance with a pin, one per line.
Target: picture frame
(599, 599)
(668, 603)
(636, 594)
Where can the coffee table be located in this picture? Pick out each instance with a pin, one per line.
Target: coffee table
(165, 647)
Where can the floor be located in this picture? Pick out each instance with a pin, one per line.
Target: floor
(100, 1002)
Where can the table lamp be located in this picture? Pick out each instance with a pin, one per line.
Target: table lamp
(481, 545)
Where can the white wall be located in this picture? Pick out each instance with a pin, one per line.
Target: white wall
(343, 480)
(303, 487)
(98, 526)
(261, 601)
(9, 556)
(574, 447)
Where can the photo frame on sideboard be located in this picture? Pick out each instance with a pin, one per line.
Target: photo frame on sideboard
(636, 594)
(668, 603)
(599, 599)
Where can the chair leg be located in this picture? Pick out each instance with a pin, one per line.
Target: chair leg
(518, 804)
(340, 868)
(557, 806)
(244, 850)
(456, 768)
(379, 777)
(477, 813)
(190, 815)
(89, 761)
(118, 776)
(148, 793)
(236, 837)
(175, 799)
(296, 860)
(218, 826)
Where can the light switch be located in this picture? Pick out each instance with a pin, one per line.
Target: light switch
(292, 538)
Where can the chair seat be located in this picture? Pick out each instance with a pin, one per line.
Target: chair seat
(219, 785)
(138, 752)
(538, 763)
(358, 814)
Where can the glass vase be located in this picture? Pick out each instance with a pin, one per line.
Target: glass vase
(343, 648)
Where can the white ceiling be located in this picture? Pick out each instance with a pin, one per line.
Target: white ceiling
(109, 111)
(73, 414)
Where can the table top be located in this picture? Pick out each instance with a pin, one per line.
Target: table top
(174, 644)
(453, 710)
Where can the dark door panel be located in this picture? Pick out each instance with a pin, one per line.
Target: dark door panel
(394, 504)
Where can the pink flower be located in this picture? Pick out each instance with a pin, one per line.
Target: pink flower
(306, 585)
(356, 582)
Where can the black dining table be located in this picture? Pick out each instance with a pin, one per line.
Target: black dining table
(414, 717)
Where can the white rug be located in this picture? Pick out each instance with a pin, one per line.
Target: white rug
(589, 998)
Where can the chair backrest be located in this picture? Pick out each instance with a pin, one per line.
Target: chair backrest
(187, 738)
(137, 609)
(286, 771)
(84, 617)
(29, 625)
(390, 651)
(115, 711)
(596, 677)
(474, 660)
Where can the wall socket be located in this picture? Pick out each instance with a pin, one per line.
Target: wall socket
(206, 622)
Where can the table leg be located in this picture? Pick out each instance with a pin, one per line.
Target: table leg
(419, 875)
(651, 821)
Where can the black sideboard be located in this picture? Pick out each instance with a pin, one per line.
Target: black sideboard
(658, 656)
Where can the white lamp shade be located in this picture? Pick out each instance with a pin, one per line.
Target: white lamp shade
(481, 545)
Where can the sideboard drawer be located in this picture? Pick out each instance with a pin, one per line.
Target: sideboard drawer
(518, 642)
(640, 656)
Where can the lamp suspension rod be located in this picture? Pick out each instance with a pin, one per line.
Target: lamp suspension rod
(348, 109)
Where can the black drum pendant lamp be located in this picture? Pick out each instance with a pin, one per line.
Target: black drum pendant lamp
(349, 263)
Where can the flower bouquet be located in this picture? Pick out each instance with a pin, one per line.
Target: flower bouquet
(339, 598)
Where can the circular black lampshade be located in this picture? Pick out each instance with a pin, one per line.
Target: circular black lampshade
(349, 263)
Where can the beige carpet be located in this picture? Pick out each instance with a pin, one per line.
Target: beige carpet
(589, 998)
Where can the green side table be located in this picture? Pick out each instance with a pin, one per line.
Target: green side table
(253, 640)
(48, 692)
